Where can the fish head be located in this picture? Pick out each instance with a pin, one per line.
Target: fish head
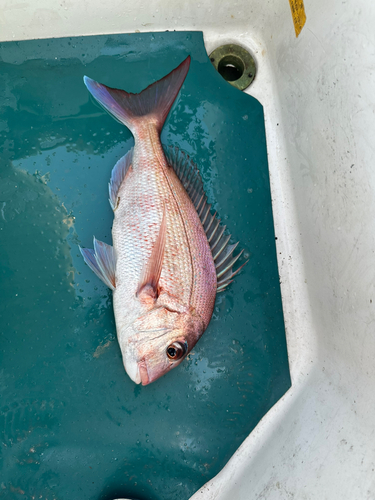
(159, 341)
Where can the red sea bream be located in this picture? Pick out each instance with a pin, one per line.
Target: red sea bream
(170, 255)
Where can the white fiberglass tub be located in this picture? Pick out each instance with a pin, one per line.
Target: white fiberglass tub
(318, 92)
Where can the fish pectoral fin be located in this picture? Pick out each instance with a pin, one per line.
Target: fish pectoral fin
(149, 282)
(102, 261)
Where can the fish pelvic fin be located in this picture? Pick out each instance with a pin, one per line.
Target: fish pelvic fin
(102, 261)
(149, 283)
(155, 101)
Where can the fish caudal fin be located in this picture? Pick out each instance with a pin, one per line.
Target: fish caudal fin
(156, 100)
(102, 261)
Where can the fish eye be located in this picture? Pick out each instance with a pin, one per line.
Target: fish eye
(176, 350)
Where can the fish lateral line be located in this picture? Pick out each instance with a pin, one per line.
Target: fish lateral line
(156, 145)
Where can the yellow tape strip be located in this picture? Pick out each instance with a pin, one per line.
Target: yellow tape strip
(298, 14)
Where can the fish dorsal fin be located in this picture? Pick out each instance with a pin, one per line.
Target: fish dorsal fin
(222, 253)
(102, 261)
(149, 283)
(119, 172)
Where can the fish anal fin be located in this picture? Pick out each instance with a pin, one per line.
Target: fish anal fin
(102, 261)
(149, 283)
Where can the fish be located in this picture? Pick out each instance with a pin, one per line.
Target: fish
(170, 255)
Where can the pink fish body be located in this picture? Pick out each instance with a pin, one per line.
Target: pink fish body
(161, 267)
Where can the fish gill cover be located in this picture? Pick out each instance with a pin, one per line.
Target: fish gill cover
(72, 423)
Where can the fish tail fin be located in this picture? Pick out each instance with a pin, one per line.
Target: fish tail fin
(155, 101)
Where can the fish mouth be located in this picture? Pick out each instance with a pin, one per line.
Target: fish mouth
(137, 371)
(143, 372)
(132, 369)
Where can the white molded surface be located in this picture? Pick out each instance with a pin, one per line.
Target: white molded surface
(318, 93)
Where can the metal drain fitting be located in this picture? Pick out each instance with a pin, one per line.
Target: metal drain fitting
(235, 64)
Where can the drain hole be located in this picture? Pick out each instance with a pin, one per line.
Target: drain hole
(231, 68)
(235, 64)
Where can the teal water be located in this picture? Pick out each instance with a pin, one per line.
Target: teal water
(72, 424)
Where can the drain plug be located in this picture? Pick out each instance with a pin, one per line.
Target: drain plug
(235, 65)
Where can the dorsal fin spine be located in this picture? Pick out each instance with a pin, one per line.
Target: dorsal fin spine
(216, 241)
(227, 255)
(202, 207)
(222, 287)
(210, 223)
(199, 203)
(229, 265)
(205, 217)
(214, 231)
(221, 247)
